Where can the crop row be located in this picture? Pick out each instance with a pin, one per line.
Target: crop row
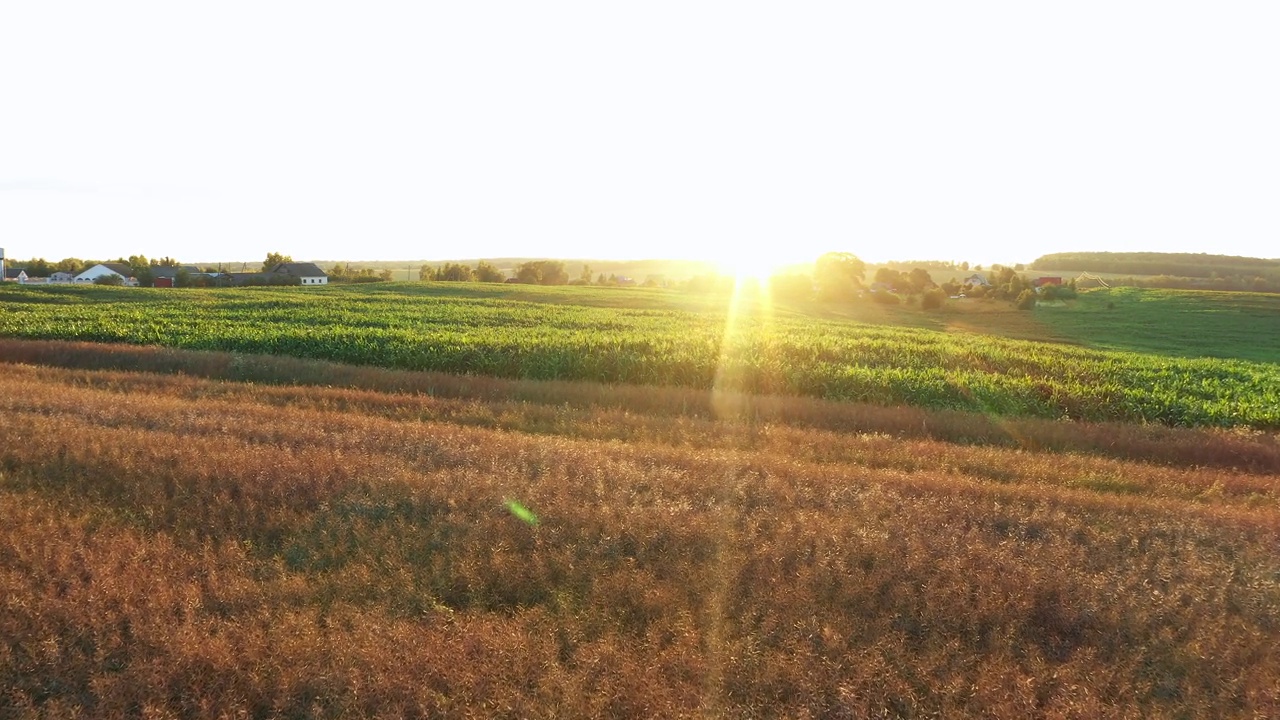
(656, 344)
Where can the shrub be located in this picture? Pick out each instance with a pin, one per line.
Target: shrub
(1057, 292)
(1026, 300)
(933, 299)
(885, 298)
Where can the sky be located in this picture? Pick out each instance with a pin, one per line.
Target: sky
(981, 131)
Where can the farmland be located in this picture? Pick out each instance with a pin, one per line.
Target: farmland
(176, 542)
(969, 361)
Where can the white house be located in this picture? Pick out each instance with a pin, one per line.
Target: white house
(16, 275)
(62, 277)
(308, 273)
(101, 269)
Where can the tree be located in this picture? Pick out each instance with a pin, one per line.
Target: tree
(109, 279)
(274, 259)
(933, 299)
(141, 269)
(542, 272)
(454, 272)
(890, 277)
(1026, 300)
(1016, 285)
(488, 273)
(839, 274)
(529, 273)
(920, 280)
(69, 265)
(35, 268)
(344, 274)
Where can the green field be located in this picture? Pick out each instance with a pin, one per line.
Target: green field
(975, 357)
(1188, 323)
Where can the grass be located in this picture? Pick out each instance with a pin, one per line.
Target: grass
(1174, 323)
(858, 353)
(179, 544)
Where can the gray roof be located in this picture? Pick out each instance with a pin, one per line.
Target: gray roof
(244, 278)
(171, 271)
(300, 269)
(122, 268)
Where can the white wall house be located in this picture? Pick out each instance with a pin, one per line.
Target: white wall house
(62, 277)
(308, 273)
(124, 271)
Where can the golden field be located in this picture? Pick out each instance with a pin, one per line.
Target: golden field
(212, 535)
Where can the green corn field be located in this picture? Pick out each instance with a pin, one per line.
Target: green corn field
(645, 337)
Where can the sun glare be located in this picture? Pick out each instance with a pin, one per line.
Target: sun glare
(751, 267)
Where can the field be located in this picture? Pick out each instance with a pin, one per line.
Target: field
(337, 541)
(434, 500)
(1126, 362)
(1186, 323)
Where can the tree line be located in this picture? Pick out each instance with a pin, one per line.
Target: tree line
(1178, 270)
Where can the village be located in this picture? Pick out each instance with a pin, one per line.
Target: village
(173, 275)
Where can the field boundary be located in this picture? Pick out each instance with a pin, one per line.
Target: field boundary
(1244, 449)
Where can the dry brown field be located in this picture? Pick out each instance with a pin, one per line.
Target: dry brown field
(192, 535)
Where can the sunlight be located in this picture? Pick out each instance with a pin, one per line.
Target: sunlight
(751, 267)
(748, 317)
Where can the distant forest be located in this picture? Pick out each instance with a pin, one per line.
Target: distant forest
(1153, 263)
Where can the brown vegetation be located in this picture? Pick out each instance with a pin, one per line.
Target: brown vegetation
(182, 545)
(1235, 448)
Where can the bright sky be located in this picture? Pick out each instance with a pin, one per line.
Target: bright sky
(381, 130)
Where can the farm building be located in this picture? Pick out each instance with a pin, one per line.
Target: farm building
(975, 279)
(15, 275)
(167, 275)
(308, 273)
(103, 269)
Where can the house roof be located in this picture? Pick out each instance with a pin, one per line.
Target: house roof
(300, 269)
(13, 272)
(240, 278)
(122, 268)
(171, 271)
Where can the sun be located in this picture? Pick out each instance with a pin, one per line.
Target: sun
(751, 267)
